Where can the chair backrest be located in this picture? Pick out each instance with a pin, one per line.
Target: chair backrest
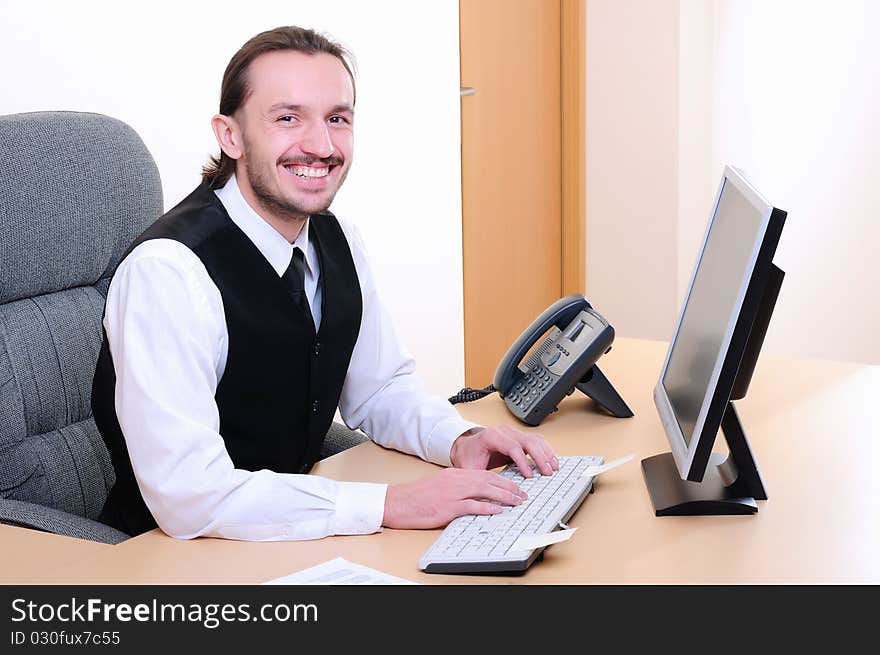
(75, 190)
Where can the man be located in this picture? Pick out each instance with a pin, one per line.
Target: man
(240, 320)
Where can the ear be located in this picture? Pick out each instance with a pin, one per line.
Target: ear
(228, 135)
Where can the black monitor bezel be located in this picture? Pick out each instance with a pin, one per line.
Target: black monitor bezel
(692, 456)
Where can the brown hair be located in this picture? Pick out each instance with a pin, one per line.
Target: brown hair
(234, 90)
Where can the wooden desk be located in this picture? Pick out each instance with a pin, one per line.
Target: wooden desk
(28, 554)
(812, 428)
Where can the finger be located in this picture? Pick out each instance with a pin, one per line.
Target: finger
(551, 456)
(532, 445)
(547, 450)
(509, 443)
(501, 494)
(477, 507)
(541, 452)
(475, 479)
(515, 452)
(507, 485)
(536, 450)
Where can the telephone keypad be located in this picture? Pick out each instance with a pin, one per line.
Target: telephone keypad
(532, 385)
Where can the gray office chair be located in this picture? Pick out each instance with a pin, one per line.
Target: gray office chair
(340, 438)
(75, 191)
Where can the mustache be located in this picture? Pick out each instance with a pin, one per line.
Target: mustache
(333, 160)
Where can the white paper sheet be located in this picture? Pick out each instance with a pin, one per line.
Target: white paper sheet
(528, 542)
(593, 471)
(339, 571)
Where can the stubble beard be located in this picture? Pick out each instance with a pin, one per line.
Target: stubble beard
(283, 208)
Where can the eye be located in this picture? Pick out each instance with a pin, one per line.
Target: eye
(339, 120)
(287, 118)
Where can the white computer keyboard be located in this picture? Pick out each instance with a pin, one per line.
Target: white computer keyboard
(482, 544)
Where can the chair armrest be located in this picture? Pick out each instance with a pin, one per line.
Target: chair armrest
(340, 438)
(47, 519)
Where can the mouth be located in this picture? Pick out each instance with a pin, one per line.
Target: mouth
(310, 175)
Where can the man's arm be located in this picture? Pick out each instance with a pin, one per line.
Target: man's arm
(383, 397)
(167, 335)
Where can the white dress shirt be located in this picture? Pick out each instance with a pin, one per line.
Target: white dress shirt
(167, 334)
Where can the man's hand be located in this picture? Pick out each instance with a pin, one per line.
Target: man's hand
(434, 501)
(501, 444)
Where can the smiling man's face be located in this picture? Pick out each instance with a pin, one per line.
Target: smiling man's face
(296, 133)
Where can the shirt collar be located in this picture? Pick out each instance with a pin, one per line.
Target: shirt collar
(274, 247)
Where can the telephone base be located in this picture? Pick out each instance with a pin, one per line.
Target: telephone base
(595, 385)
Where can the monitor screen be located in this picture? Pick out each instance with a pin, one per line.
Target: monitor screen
(712, 305)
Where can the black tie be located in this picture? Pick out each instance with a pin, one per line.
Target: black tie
(295, 277)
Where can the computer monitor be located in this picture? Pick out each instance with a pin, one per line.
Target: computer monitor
(711, 357)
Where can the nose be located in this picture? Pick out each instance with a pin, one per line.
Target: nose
(316, 141)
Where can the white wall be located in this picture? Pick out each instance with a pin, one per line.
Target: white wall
(631, 155)
(786, 90)
(796, 98)
(697, 179)
(158, 67)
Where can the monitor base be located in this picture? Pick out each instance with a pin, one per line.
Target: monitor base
(673, 496)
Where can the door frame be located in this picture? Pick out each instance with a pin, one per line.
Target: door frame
(572, 31)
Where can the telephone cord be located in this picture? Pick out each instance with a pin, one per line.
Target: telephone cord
(468, 395)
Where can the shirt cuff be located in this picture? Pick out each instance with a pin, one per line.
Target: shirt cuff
(443, 436)
(360, 508)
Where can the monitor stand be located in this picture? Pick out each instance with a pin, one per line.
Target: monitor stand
(730, 485)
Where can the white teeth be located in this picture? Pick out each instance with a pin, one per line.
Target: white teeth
(308, 171)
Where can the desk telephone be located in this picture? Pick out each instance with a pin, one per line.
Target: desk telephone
(565, 361)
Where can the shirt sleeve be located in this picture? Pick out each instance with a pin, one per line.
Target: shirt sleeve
(382, 395)
(167, 335)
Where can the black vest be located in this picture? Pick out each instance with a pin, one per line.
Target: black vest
(282, 382)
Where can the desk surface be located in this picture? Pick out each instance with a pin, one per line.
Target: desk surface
(810, 425)
(27, 554)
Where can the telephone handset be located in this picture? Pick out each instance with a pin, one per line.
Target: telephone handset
(565, 361)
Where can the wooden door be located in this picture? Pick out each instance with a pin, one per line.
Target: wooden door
(513, 198)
